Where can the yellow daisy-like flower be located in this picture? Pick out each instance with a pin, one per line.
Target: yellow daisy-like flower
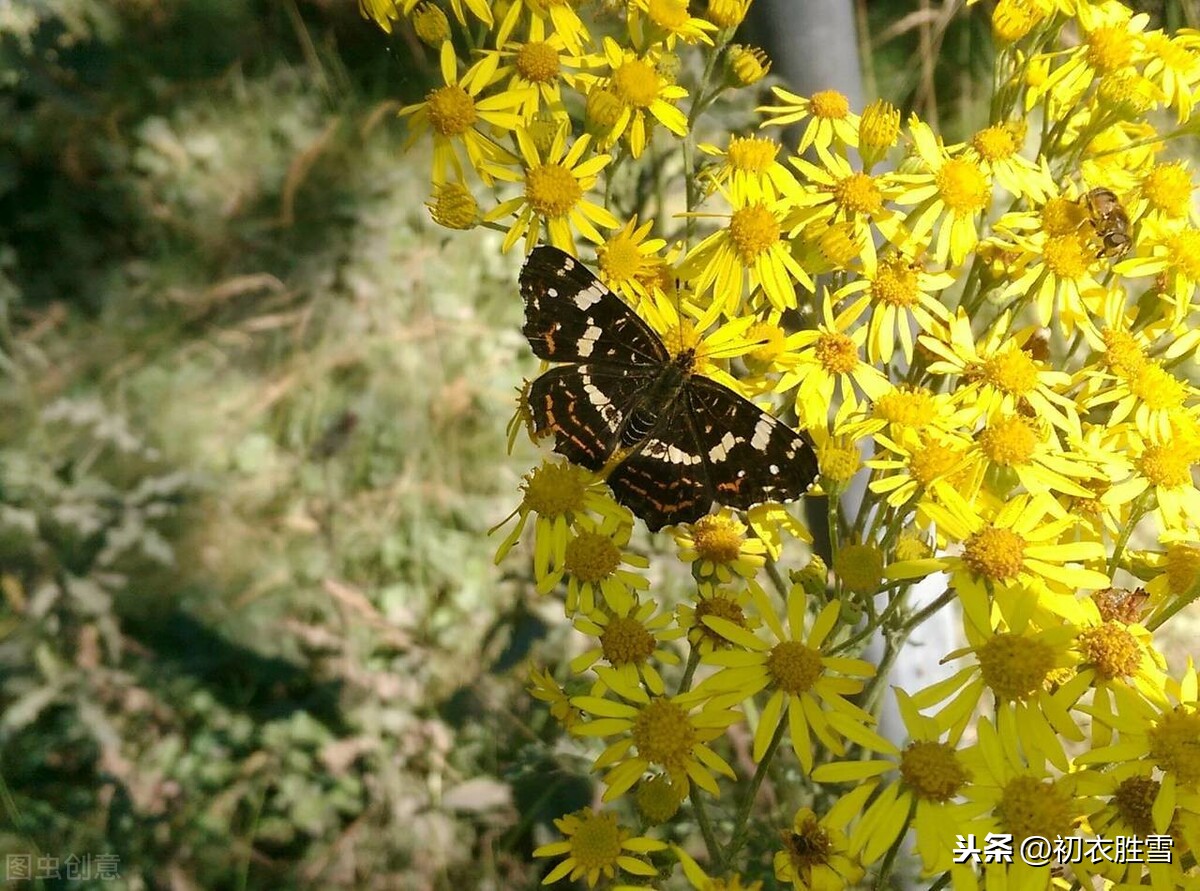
(700, 880)
(998, 375)
(543, 687)
(749, 168)
(1163, 735)
(1174, 67)
(1020, 799)
(901, 292)
(816, 853)
(667, 20)
(1175, 571)
(597, 845)
(627, 260)
(1149, 396)
(930, 466)
(643, 92)
(1166, 469)
(1164, 194)
(382, 12)
(1021, 666)
(951, 196)
(631, 640)
(537, 68)
(717, 548)
(929, 788)
(1016, 549)
(733, 605)
(750, 245)
(1175, 258)
(667, 732)
(554, 195)
(998, 150)
(1030, 450)
(455, 114)
(826, 361)
(905, 407)
(805, 682)
(830, 120)
(594, 562)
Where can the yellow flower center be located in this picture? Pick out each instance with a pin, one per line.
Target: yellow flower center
(537, 62)
(723, 608)
(1111, 650)
(1158, 389)
(1134, 800)
(963, 186)
(717, 538)
(451, 111)
(995, 143)
(1166, 466)
(995, 553)
(857, 193)
(1013, 19)
(910, 546)
(1029, 806)
(620, 260)
(879, 127)
(1009, 442)
(1183, 568)
(1183, 249)
(604, 107)
(932, 770)
(770, 339)
(932, 461)
(830, 104)
(841, 243)
(754, 229)
(625, 641)
(727, 13)
(664, 735)
(592, 557)
(637, 83)
(1109, 48)
(1127, 93)
(658, 799)
(1061, 216)
(896, 283)
(836, 352)
(907, 406)
(553, 490)
(794, 667)
(1013, 666)
(1067, 256)
(551, 190)
(1175, 745)
(684, 336)
(1012, 372)
(839, 462)
(596, 843)
(1168, 188)
(671, 15)
(431, 24)
(860, 567)
(1122, 355)
(808, 846)
(752, 153)
(453, 206)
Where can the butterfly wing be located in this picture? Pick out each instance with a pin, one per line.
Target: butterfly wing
(570, 316)
(749, 456)
(586, 406)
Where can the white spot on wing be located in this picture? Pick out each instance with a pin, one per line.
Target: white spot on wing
(601, 403)
(590, 336)
(720, 451)
(679, 456)
(762, 433)
(774, 468)
(589, 296)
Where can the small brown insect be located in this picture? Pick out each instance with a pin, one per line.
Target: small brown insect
(1109, 221)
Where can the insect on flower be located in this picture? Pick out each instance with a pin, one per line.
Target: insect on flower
(1109, 221)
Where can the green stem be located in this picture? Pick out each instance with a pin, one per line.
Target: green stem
(1135, 515)
(710, 839)
(685, 682)
(741, 822)
(1188, 597)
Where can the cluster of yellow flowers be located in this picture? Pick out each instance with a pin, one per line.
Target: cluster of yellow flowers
(1002, 327)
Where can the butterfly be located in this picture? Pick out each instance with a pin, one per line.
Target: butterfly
(671, 440)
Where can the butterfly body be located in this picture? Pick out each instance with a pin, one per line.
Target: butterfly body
(671, 440)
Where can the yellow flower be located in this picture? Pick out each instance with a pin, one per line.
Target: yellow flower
(628, 260)
(805, 682)
(543, 687)
(635, 81)
(749, 246)
(1164, 194)
(1175, 258)
(932, 466)
(928, 789)
(593, 562)
(630, 640)
(901, 292)
(816, 854)
(717, 548)
(382, 12)
(749, 169)
(731, 605)
(1166, 469)
(668, 20)
(830, 121)
(700, 881)
(998, 150)
(555, 194)
(453, 206)
(1030, 451)
(664, 731)
(597, 845)
(1150, 396)
(560, 13)
(537, 68)
(878, 131)
(455, 113)
(826, 361)
(951, 196)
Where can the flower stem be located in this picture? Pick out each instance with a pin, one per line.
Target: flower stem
(742, 820)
